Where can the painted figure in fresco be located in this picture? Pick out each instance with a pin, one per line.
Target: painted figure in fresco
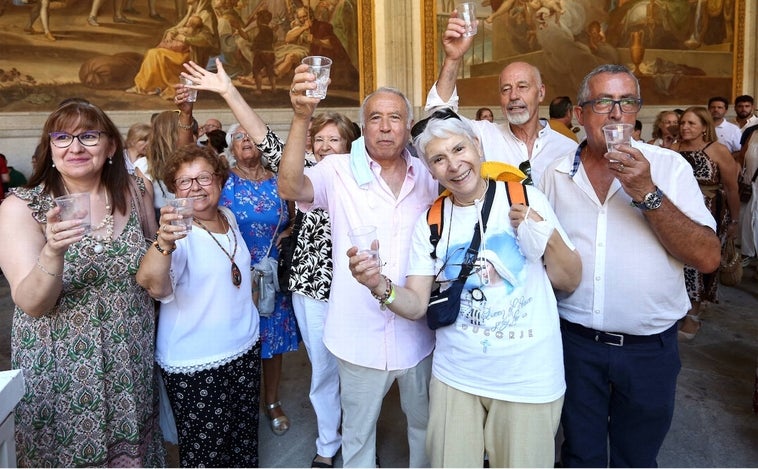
(161, 67)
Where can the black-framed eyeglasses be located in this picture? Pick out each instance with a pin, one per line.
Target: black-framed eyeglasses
(605, 105)
(88, 138)
(526, 168)
(441, 114)
(204, 179)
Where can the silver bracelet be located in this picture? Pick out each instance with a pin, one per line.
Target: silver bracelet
(43, 269)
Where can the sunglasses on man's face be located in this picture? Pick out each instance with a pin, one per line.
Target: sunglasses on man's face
(441, 114)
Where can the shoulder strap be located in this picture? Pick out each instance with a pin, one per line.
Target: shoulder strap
(435, 220)
(755, 175)
(516, 193)
(434, 216)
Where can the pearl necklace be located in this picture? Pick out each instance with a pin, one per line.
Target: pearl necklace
(260, 173)
(106, 223)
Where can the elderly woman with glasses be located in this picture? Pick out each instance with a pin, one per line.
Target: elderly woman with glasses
(207, 344)
(83, 329)
(497, 378)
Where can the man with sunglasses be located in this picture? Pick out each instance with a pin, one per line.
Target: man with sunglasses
(636, 216)
(524, 140)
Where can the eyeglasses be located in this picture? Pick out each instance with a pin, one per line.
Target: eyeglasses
(441, 114)
(240, 135)
(89, 138)
(469, 259)
(526, 168)
(605, 105)
(204, 179)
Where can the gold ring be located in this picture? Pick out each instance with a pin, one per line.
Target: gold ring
(621, 168)
(292, 90)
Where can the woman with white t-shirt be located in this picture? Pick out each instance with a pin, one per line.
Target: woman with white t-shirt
(497, 376)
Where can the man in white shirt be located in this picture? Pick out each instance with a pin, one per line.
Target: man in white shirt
(728, 133)
(525, 140)
(743, 108)
(636, 216)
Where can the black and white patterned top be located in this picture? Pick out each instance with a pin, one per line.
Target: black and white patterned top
(312, 260)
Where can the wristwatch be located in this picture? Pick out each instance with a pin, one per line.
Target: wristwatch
(651, 201)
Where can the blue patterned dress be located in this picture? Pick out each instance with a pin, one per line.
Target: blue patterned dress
(262, 215)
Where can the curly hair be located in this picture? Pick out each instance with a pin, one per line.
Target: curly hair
(189, 153)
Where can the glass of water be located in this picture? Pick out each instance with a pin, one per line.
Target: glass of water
(321, 67)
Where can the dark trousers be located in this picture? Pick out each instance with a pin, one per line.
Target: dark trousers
(617, 398)
(216, 412)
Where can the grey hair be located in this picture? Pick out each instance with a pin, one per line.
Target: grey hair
(386, 89)
(614, 69)
(442, 128)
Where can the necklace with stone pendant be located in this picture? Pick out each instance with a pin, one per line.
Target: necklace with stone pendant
(236, 274)
(107, 223)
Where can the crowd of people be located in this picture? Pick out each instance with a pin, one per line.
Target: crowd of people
(141, 325)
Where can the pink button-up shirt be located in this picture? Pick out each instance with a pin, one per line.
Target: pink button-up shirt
(356, 329)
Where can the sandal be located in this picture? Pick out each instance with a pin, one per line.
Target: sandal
(279, 425)
(689, 336)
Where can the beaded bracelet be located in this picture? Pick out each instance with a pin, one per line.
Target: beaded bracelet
(43, 269)
(165, 252)
(388, 296)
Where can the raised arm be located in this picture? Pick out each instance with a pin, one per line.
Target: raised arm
(455, 46)
(693, 244)
(153, 273)
(221, 83)
(293, 184)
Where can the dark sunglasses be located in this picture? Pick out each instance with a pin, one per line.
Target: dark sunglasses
(526, 168)
(441, 114)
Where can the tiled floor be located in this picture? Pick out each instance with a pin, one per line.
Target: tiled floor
(714, 425)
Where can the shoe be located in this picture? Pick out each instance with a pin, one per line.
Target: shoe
(92, 21)
(746, 260)
(279, 425)
(157, 17)
(49, 36)
(315, 463)
(122, 19)
(689, 336)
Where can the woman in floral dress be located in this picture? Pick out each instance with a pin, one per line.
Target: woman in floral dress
(716, 173)
(252, 195)
(83, 330)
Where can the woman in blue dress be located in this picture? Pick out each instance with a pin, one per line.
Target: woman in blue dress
(264, 218)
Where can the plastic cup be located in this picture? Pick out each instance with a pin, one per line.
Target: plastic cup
(467, 12)
(363, 237)
(75, 207)
(617, 134)
(321, 67)
(185, 208)
(191, 94)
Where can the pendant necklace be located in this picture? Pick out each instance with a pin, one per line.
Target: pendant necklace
(236, 274)
(107, 223)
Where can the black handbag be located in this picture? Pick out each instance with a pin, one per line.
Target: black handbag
(444, 305)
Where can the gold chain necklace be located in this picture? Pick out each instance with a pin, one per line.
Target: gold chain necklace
(236, 274)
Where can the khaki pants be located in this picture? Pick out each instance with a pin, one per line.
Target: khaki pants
(463, 426)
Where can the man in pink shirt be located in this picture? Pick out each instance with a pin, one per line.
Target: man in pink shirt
(379, 184)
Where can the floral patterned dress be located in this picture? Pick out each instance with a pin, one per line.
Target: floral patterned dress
(262, 215)
(704, 287)
(91, 395)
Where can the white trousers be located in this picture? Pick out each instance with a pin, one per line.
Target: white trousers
(362, 392)
(325, 381)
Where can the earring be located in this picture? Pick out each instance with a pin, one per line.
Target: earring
(53, 165)
(110, 160)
